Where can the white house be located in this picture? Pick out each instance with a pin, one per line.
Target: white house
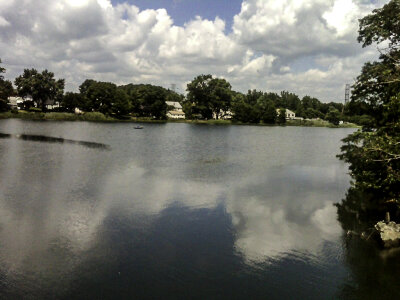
(176, 112)
(51, 104)
(289, 114)
(177, 106)
(224, 115)
(15, 102)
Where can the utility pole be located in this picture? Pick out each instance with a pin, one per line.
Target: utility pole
(347, 94)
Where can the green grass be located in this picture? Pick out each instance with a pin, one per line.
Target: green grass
(57, 116)
(318, 123)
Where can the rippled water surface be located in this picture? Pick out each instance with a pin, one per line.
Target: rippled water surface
(97, 210)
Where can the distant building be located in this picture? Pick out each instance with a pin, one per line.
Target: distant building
(15, 102)
(289, 114)
(223, 115)
(177, 106)
(51, 104)
(176, 112)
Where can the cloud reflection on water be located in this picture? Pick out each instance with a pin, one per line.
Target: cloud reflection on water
(57, 201)
(268, 220)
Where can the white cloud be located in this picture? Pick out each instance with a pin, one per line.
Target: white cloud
(270, 47)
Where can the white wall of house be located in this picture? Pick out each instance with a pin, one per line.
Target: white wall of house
(174, 114)
(223, 115)
(290, 114)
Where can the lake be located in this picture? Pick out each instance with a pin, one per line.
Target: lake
(183, 211)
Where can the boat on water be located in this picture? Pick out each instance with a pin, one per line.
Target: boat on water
(138, 127)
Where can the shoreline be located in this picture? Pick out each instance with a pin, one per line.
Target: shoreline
(99, 117)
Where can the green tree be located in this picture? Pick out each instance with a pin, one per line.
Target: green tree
(373, 153)
(333, 116)
(210, 96)
(267, 110)
(2, 70)
(281, 119)
(245, 108)
(72, 100)
(290, 101)
(101, 96)
(148, 100)
(131, 90)
(152, 101)
(122, 105)
(43, 87)
(187, 109)
(6, 88)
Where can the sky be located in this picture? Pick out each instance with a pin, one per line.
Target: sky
(308, 47)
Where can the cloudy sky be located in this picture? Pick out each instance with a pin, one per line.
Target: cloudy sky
(304, 46)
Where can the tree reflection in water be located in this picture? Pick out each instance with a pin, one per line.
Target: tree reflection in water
(375, 271)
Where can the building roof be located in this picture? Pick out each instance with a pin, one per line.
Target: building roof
(176, 105)
(288, 111)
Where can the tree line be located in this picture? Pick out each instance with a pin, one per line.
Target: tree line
(207, 98)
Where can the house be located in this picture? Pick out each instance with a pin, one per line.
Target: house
(15, 102)
(177, 106)
(176, 112)
(289, 114)
(51, 104)
(223, 115)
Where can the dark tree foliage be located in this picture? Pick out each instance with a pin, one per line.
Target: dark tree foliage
(152, 101)
(73, 100)
(373, 153)
(333, 116)
(141, 100)
(253, 106)
(121, 106)
(281, 118)
(2, 70)
(131, 90)
(209, 96)
(245, 108)
(6, 88)
(267, 110)
(100, 96)
(290, 101)
(43, 87)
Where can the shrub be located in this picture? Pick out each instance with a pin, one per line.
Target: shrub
(94, 116)
(34, 109)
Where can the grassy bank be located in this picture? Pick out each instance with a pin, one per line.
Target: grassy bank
(99, 117)
(56, 116)
(319, 123)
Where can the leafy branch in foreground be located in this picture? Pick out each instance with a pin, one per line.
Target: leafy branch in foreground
(373, 153)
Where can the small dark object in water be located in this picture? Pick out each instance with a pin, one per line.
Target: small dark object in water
(138, 127)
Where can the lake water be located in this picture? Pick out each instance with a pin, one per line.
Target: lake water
(104, 211)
